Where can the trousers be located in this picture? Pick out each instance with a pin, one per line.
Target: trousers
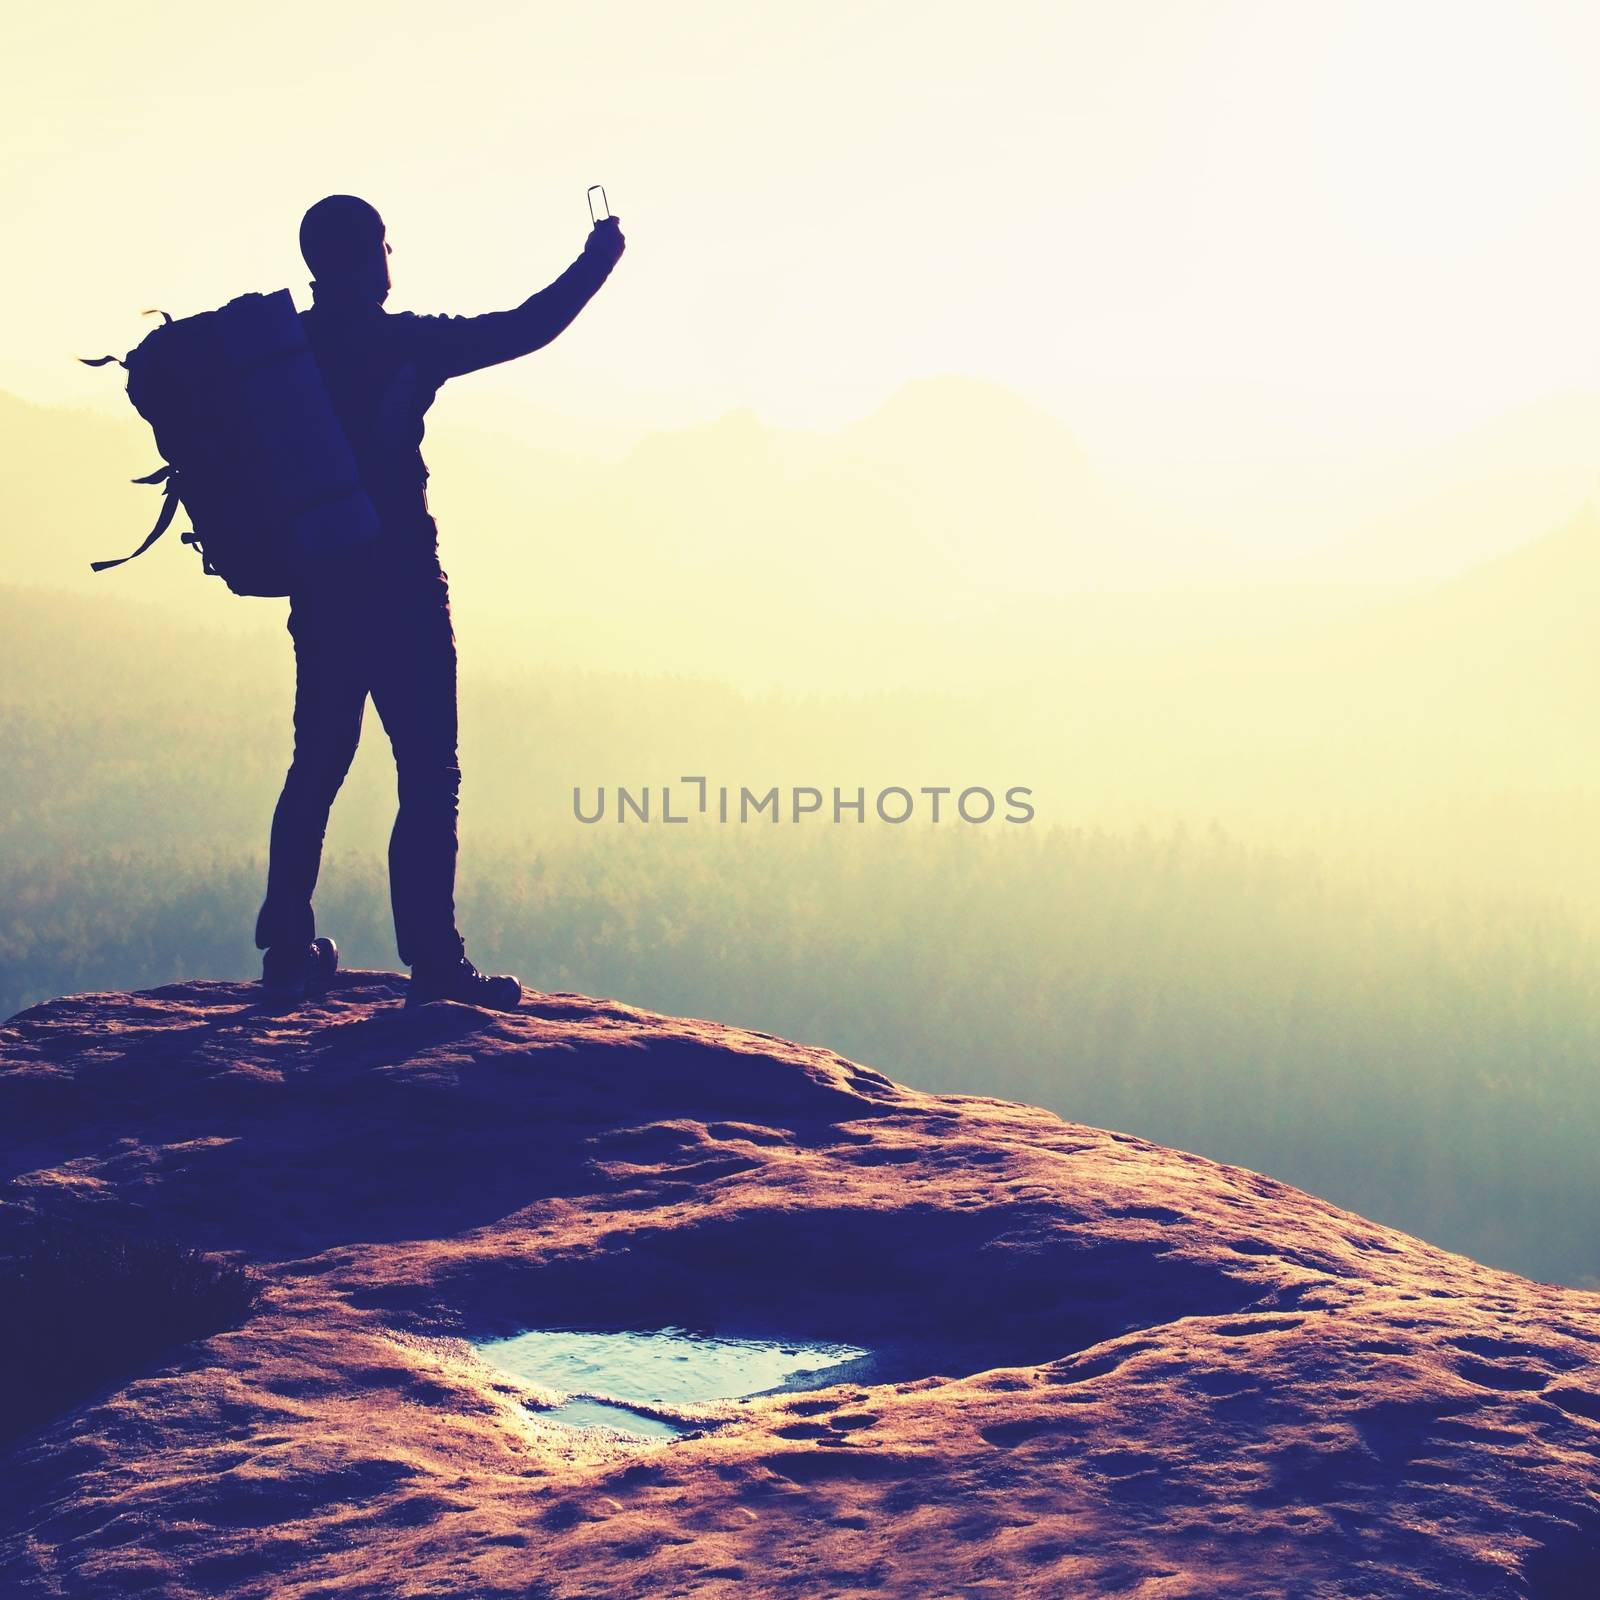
(389, 638)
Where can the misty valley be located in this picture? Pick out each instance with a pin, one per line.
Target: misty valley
(1316, 901)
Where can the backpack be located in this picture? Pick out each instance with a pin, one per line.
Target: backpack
(250, 443)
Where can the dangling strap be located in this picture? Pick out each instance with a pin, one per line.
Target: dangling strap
(169, 509)
(162, 474)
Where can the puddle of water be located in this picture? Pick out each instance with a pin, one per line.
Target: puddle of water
(604, 1376)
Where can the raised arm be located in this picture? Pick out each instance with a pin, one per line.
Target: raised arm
(456, 345)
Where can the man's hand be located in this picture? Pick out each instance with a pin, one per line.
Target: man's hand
(605, 241)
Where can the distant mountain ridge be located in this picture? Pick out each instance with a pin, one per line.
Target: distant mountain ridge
(957, 471)
(956, 520)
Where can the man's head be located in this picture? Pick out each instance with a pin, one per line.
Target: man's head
(343, 243)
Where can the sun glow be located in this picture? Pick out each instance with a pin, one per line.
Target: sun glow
(1244, 251)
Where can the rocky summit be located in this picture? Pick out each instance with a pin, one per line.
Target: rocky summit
(1096, 1366)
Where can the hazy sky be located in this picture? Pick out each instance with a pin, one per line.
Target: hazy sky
(1215, 238)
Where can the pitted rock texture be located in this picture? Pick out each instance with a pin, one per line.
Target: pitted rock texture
(1102, 1367)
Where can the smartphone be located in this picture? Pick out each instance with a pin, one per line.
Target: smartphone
(605, 205)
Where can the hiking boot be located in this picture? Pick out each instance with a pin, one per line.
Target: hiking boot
(460, 980)
(292, 971)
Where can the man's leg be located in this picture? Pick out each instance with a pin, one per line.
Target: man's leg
(329, 696)
(414, 689)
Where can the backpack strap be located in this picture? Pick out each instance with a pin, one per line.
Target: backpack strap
(193, 538)
(169, 509)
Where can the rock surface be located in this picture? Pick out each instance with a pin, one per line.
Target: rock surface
(1103, 1367)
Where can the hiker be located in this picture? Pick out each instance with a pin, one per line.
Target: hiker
(376, 619)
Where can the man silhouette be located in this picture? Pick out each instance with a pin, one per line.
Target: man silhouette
(376, 620)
